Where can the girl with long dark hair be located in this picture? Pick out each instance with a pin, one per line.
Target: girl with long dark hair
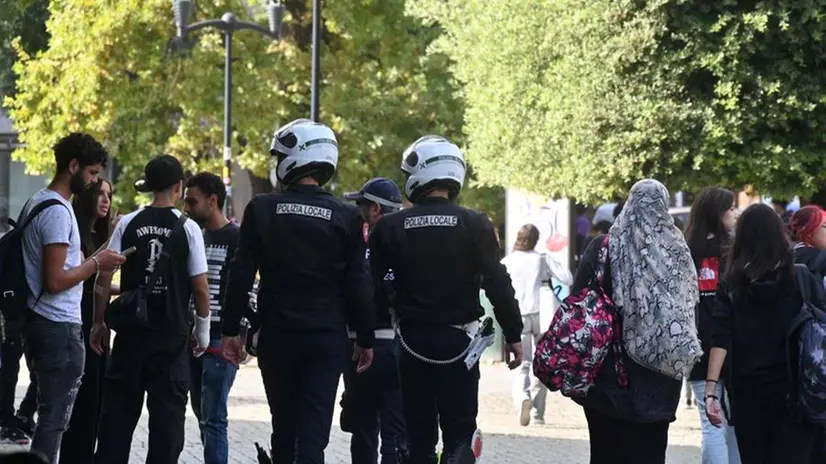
(755, 305)
(710, 226)
(93, 211)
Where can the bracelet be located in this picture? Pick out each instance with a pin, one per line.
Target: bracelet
(713, 396)
(712, 381)
(97, 264)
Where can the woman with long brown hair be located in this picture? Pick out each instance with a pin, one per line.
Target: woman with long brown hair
(710, 227)
(93, 211)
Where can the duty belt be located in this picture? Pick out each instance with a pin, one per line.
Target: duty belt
(380, 334)
(479, 341)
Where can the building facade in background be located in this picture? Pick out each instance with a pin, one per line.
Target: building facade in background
(553, 219)
(15, 185)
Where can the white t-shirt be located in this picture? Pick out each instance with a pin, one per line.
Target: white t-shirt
(55, 225)
(528, 269)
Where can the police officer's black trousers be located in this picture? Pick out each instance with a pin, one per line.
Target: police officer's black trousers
(156, 366)
(372, 405)
(437, 396)
(301, 370)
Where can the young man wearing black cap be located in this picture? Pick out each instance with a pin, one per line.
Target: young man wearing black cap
(309, 249)
(372, 402)
(151, 354)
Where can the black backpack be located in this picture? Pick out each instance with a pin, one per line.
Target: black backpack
(14, 289)
(805, 345)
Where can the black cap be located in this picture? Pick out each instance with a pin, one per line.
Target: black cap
(379, 190)
(160, 173)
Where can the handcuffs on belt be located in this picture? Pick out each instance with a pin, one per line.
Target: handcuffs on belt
(481, 337)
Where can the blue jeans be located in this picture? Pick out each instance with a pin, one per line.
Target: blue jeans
(212, 378)
(719, 444)
(57, 354)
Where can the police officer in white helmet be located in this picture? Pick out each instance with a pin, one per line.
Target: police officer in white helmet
(308, 248)
(441, 255)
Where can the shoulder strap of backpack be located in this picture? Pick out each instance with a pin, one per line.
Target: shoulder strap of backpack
(820, 262)
(23, 223)
(603, 266)
(802, 275)
(160, 267)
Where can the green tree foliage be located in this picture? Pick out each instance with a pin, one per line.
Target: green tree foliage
(115, 70)
(25, 19)
(582, 98)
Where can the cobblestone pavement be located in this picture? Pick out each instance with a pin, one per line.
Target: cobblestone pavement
(563, 440)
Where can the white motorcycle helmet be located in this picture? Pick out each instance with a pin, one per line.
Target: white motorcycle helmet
(304, 148)
(433, 162)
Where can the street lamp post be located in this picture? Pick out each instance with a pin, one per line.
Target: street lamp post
(316, 76)
(229, 24)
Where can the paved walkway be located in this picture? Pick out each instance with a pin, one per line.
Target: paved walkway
(563, 440)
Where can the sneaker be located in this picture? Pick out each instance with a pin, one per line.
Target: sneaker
(12, 435)
(538, 421)
(525, 413)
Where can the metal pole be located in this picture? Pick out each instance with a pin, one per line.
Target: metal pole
(316, 63)
(228, 122)
(5, 187)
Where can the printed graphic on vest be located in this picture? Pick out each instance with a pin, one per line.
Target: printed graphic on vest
(216, 260)
(304, 210)
(708, 275)
(431, 220)
(155, 253)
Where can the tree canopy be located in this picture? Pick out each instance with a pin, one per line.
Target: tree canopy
(582, 98)
(25, 19)
(115, 70)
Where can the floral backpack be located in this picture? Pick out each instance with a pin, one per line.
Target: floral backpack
(585, 328)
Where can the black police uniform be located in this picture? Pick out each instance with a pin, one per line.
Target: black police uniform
(372, 403)
(441, 255)
(309, 250)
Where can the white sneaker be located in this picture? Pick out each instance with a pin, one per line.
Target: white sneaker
(525, 413)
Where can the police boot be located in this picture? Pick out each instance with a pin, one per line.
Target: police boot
(405, 458)
(461, 454)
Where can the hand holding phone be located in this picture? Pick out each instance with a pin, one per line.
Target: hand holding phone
(128, 251)
(108, 260)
